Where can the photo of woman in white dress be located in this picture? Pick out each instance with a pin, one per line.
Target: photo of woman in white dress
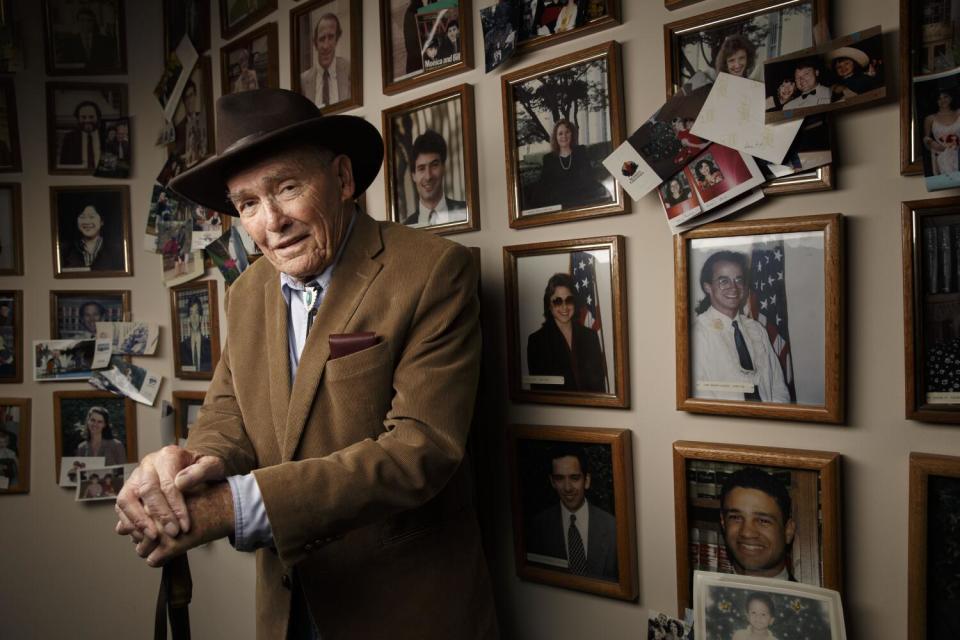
(941, 135)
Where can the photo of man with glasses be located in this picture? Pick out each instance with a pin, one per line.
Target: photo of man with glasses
(731, 353)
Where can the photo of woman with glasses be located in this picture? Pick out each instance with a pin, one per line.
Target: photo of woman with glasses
(563, 347)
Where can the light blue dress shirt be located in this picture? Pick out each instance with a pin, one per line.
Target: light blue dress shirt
(252, 527)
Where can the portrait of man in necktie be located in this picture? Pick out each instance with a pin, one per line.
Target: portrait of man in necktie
(568, 507)
(429, 168)
(75, 135)
(87, 40)
(324, 44)
(757, 327)
(196, 329)
(193, 118)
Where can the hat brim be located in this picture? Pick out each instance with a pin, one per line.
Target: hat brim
(206, 183)
(854, 54)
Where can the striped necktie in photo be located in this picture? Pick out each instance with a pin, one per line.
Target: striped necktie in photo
(576, 554)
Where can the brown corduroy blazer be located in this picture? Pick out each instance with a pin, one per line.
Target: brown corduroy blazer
(361, 460)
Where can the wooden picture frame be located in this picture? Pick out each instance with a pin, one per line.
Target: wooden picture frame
(74, 110)
(72, 50)
(543, 457)
(715, 26)
(400, 28)
(676, 4)
(182, 402)
(811, 553)
(11, 229)
(529, 39)
(70, 409)
(15, 430)
(195, 135)
(305, 64)
(541, 188)
(793, 371)
(75, 212)
(931, 314)
(74, 314)
(232, 25)
(10, 161)
(537, 358)
(242, 64)
(186, 17)
(440, 131)
(934, 485)
(207, 323)
(11, 332)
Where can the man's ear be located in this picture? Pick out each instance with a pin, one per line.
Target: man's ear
(789, 531)
(586, 482)
(345, 175)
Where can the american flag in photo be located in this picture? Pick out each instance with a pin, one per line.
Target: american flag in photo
(584, 270)
(768, 303)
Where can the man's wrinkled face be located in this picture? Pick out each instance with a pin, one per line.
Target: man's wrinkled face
(296, 208)
(755, 531)
(326, 41)
(569, 481)
(87, 118)
(428, 173)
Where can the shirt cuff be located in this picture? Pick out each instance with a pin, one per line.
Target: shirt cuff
(252, 527)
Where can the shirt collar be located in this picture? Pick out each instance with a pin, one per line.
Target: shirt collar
(715, 316)
(288, 282)
(440, 208)
(579, 512)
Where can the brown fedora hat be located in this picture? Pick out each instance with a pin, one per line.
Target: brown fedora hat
(252, 124)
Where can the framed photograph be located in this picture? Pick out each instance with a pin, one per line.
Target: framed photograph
(86, 39)
(75, 111)
(723, 493)
(9, 130)
(11, 230)
(75, 314)
(94, 423)
(548, 22)
(567, 322)
(431, 151)
(193, 118)
(196, 329)
(933, 563)
(936, 97)
(237, 15)
(14, 445)
(737, 40)
(102, 483)
(759, 319)
(928, 45)
(11, 337)
(186, 408)
(573, 511)
(423, 41)
(931, 308)
(251, 62)
(325, 36)
(743, 607)
(91, 231)
(189, 18)
(560, 120)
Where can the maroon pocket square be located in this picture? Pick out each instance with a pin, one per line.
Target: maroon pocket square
(343, 344)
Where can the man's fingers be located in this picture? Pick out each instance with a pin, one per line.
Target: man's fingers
(128, 503)
(125, 527)
(145, 547)
(205, 469)
(163, 503)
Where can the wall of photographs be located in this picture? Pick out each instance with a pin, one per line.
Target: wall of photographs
(872, 292)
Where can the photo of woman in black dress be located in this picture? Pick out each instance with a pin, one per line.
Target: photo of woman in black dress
(563, 346)
(568, 177)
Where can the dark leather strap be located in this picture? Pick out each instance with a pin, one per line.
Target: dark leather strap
(176, 590)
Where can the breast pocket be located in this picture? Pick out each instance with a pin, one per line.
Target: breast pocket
(359, 389)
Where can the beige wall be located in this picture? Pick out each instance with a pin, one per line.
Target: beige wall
(63, 573)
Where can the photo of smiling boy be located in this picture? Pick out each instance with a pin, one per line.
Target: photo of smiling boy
(760, 617)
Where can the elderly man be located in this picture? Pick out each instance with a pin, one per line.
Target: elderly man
(328, 80)
(732, 355)
(427, 171)
(757, 523)
(333, 433)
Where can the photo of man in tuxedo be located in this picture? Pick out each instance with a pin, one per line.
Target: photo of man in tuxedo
(572, 532)
(427, 171)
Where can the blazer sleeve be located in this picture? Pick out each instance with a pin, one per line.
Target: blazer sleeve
(219, 429)
(425, 429)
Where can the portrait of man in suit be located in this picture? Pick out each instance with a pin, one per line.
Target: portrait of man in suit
(427, 172)
(572, 529)
(80, 147)
(327, 80)
(191, 141)
(84, 44)
(194, 336)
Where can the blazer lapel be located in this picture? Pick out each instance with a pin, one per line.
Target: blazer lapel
(351, 279)
(278, 356)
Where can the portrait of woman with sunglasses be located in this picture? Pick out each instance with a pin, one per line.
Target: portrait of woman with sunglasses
(563, 347)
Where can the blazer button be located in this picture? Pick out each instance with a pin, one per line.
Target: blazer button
(285, 581)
